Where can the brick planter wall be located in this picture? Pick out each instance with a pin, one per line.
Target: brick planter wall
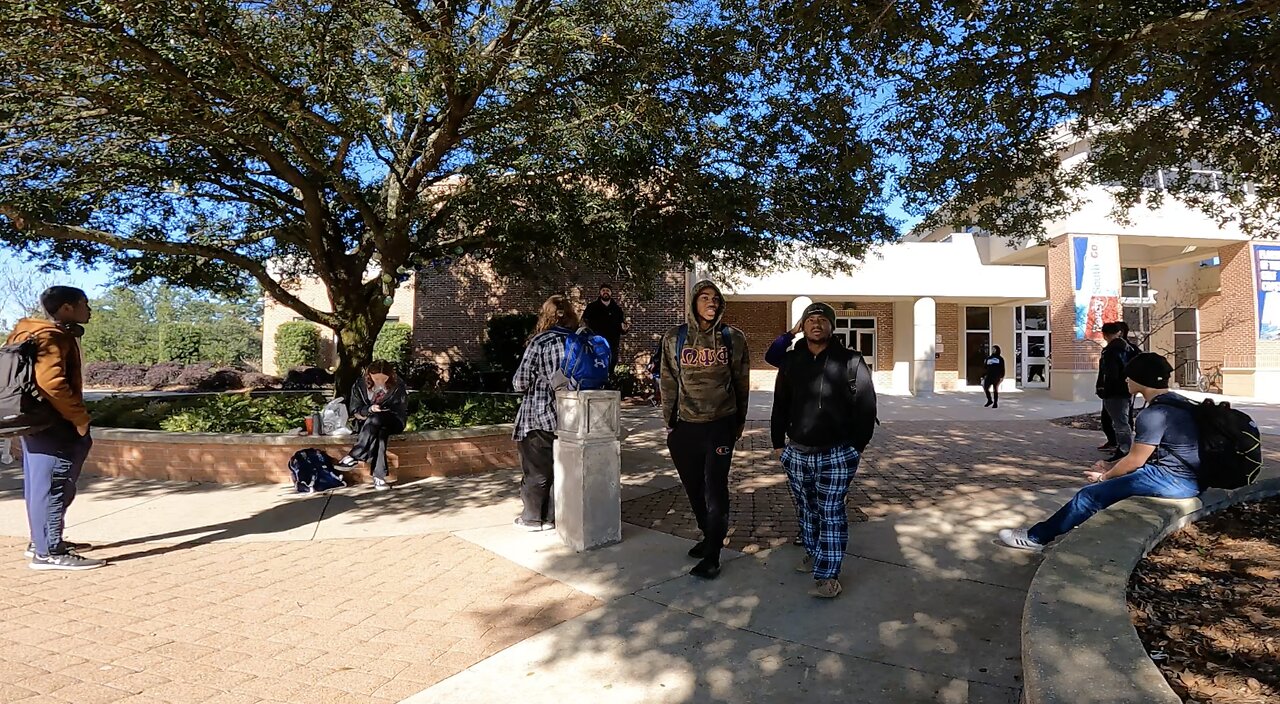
(230, 459)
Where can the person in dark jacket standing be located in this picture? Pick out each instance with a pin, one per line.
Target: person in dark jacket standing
(824, 413)
(1111, 386)
(379, 401)
(607, 319)
(992, 375)
(705, 380)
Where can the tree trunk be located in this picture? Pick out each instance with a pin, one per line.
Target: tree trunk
(359, 329)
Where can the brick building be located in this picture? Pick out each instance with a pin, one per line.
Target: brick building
(925, 312)
(449, 309)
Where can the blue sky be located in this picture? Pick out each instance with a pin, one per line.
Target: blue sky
(92, 280)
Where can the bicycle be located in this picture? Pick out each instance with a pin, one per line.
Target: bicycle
(1209, 381)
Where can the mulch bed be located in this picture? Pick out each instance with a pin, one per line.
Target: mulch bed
(1088, 421)
(1206, 603)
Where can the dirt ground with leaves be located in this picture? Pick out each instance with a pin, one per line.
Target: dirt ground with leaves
(1206, 603)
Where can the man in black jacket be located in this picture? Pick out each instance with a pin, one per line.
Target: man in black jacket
(824, 413)
(607, 319)
(1112, 388)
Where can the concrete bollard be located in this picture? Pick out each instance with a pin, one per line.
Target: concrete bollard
(588, 469)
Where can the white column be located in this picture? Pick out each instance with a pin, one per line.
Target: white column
(925, 329)
(588, 467)
(903, 345)
(798, 304)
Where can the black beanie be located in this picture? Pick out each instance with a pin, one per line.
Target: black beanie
(1150, 370)
(822, 309)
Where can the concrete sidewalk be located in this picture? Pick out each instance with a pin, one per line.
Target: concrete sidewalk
(252, 593)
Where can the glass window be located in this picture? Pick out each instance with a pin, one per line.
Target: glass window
(1037, 318)
(1184, 319)
(977, 318)
(1134, 283)
(393, 318)
(1017, 318)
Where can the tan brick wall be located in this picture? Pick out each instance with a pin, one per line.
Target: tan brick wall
(453, 306)
(1240, 306)
(313, 293)
(410, 457)
(947, 325)
(761, 322)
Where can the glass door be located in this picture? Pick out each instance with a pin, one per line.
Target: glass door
(1035, 360)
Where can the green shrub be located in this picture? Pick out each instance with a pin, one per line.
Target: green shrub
(394, 344)
(297, 345)
(505, 338)
(241, 413)
(180, 342)
(436, 411)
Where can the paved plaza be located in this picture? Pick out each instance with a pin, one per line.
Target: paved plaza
(426, 593)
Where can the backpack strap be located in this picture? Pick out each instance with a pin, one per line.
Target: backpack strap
(682, 338)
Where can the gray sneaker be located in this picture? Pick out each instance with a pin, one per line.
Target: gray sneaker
(30, 552)
(65, 561)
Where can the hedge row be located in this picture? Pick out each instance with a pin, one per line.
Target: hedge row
(203, 376)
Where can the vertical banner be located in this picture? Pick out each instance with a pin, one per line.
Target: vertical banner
(1266, 267)
(1096, 260)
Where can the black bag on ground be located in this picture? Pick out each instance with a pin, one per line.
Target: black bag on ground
(1230, 446)
(22, 410)
(313, 471)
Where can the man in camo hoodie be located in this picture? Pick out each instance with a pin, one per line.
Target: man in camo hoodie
(705, 380)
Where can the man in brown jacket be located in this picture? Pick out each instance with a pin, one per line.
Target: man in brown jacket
(52, 458)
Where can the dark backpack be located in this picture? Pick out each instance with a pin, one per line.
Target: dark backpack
(586, 360)
(22, 410)
(313, 471)
(1230, 446)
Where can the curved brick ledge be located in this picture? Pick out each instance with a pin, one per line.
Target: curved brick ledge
(264, 458)
(1079, 645)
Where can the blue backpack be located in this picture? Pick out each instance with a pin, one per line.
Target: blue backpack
(313, 471)
(586, 360)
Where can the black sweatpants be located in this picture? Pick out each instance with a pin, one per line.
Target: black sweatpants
(371, 442)
(539, 467)
(992, 389)
(702, 453)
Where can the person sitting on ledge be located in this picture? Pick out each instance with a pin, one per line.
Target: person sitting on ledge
(379, 402)
(1163, 462)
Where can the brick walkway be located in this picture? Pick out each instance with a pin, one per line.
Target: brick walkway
(369, 620)
(909, 465)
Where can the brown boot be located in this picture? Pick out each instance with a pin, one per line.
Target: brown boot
(828, 588)
(805, 564)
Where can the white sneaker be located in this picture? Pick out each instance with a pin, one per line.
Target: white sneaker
(1018, 538)
(347, 462)
(380, 484)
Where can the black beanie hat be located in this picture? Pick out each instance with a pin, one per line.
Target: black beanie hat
(822, 309)
(1150, 370)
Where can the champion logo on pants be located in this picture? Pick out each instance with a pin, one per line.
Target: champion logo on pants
(724, 450)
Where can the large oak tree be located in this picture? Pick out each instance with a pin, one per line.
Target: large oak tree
(201, 142)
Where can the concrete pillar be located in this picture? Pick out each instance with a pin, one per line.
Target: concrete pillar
(924, 330)
(798, 304)
(903, 345)
(588, 467)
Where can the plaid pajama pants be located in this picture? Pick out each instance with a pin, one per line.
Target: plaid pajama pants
(819, 483)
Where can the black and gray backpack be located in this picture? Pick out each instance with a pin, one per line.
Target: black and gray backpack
(22, 409)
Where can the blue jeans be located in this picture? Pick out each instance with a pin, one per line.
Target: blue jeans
(51, 464)
(1147, 480)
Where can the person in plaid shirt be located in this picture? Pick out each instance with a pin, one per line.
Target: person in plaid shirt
(536, 420)
(824, 413)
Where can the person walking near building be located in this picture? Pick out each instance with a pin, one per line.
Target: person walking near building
(607, 319)
(52, 458)
(379, 402)
(536, 419)
(992, 375)
(824, 414)
(1111, 386)
(705, 382)
(1163, 462)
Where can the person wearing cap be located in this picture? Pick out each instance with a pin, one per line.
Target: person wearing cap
(607, 319)
(1163, 462)
(705, 380)
(824, 413)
